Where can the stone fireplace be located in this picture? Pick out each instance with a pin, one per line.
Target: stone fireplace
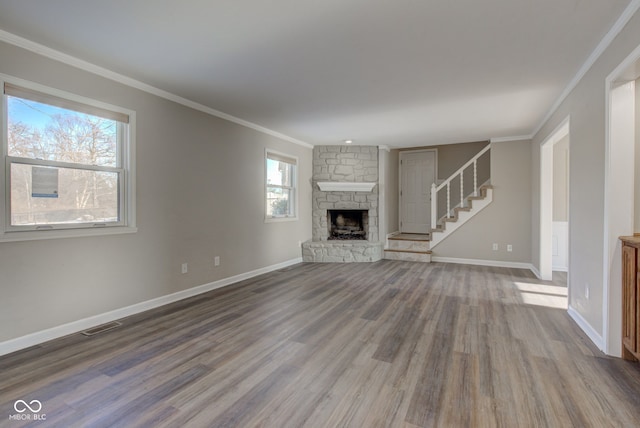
(345, 205)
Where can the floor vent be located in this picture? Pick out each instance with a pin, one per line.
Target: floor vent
(102, 328)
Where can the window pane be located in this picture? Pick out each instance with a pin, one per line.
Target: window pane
(46, 195)
(279, 202)
(279, 173)
(41, 131)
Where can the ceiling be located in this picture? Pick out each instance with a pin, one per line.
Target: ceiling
(399, 73)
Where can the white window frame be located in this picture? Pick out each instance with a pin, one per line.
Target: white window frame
(293, 188)
(125, 169)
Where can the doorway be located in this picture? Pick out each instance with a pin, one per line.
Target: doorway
(554, 201)
(418, 171)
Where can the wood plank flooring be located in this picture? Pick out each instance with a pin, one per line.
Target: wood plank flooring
(386, 344)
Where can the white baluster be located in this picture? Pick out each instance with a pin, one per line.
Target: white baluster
(461, 189)
(448, 198)
(475, 178)
(434, 206)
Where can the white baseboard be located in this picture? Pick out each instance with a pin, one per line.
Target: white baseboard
(536, 272)
(39, 337)
(559, 268)
(478, 262)
(595, 337)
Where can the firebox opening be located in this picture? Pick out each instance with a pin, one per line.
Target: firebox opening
(348, 224)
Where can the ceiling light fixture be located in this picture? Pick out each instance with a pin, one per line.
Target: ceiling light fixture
(348, 141)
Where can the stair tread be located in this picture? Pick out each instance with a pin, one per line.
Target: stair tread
(393, 250)
(411, 237)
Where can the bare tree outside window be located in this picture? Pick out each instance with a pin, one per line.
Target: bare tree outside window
(82, 148)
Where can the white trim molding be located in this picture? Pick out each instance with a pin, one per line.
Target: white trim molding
(39, 337)
(545, 197)
(595, 337)
(620, 128)
(509, 139)
(536, 272)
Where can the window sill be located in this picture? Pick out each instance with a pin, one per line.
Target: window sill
(279, 219)
(36, 235)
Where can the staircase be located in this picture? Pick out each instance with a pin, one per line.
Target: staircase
(461, 214)
(418, 247)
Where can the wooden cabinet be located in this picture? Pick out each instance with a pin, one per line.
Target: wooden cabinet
(630, 297)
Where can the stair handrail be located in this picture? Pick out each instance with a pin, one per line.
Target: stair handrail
(459, 173)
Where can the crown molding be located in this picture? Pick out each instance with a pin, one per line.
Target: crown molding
(628, 13)
(126, 80)
(515, 138)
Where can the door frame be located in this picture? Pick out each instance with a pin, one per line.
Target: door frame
(619, 194)
(435, 175)
(546, 196)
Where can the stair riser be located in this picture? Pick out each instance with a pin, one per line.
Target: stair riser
(407, 257)
(409, 245)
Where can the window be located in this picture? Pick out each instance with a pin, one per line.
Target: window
(280, 186)
(67, 163)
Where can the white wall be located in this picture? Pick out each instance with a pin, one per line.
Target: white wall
(200, 194)
(586, 105)
(507, 219)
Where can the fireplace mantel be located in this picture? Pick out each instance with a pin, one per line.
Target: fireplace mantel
(345, 186)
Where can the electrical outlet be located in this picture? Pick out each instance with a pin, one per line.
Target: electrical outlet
(495, 247)
(185, 267)
(509, 248)
(216, 261)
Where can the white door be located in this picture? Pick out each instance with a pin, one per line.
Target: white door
(417, 174)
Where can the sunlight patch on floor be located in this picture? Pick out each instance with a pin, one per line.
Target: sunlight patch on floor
(550, 296)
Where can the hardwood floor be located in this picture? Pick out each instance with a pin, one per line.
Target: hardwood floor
(386, 344)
